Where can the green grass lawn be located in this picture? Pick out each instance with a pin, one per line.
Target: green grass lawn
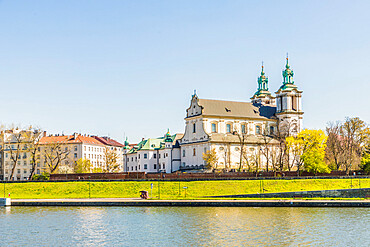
(170, 189)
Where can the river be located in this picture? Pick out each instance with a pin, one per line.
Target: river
(184, 226)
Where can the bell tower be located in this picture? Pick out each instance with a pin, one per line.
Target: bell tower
(263, 96)
(288, 103)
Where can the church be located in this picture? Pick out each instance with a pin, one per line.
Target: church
(242, 133)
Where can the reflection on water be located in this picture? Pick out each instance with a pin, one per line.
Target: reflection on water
(165, 226)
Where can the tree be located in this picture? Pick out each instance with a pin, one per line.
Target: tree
(242, 136)
(334, 154)
(82, 166)
(308, 149)
(54, 154)
(33, 137)
(211, 159)
(17, 143)
(111, 160)
(355, 134)
(226, 151)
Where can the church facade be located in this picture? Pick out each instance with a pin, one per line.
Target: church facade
(242, 133)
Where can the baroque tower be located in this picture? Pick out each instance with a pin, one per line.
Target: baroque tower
(263, 96)
(288, 103)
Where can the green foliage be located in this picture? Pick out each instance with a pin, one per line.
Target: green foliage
(82, 166)
(41, 177)
(308, 147)
(365, 163)
(170, 189)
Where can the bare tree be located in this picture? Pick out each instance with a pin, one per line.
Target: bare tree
(54, 154)
(226, 151)
(33, 138)
(242, 137)
(334, 145)
(353, 132)
(16, 145)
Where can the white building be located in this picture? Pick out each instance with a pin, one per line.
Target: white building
(154, 155)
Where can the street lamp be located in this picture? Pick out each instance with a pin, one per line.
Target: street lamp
(185, 190)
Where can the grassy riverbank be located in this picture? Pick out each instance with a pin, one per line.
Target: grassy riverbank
(171, 189)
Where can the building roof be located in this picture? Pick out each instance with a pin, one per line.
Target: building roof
(108, 141)
(156, 143)
(222, 108)
(69, 139)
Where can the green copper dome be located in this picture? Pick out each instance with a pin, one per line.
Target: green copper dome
(168, 137)
(263, 81)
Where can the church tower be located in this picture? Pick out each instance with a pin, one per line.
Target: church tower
(263, 96)
(288, 104)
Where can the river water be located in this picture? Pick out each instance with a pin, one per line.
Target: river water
(183, 226)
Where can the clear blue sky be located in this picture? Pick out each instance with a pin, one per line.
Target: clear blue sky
(130, 67)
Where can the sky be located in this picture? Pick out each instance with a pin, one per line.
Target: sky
(129, 68)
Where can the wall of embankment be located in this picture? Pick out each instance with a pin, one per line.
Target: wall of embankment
(343, 193)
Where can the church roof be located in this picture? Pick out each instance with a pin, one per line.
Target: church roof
(222, 108)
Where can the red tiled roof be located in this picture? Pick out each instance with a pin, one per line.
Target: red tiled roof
(69, 139)
(108, 141)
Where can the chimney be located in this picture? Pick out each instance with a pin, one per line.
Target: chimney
(75, 136)
(44, 134)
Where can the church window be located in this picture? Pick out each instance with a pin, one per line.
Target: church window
(244, 129)
(145, 166)
(154, 156)
(164, 166)
(194, 128)
(271, 130)
(258, 130)
(145, 156)
(154, 166)
(183, 153)
(194, 152)
(228, 128)
(214, 128)
(294, 103)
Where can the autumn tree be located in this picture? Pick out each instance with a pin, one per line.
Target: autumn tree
(111, 159)
(211, 159)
